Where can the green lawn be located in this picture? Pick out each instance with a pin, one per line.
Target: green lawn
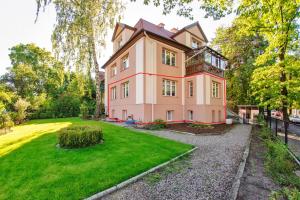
(31, 167)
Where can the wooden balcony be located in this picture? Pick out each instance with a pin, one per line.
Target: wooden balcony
(202, 66)
(205, 59)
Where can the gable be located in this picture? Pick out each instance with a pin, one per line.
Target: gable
(197, 31)
(117, 31)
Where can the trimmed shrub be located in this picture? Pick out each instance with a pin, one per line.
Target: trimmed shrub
(80, 136)
(156, 125)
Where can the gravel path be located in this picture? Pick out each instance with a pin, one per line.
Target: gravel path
(207, 174)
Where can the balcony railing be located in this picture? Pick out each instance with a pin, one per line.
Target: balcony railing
(203, 67)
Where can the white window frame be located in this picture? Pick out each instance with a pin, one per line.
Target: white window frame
(215, 89)
(191, 88)
(114, 93)
(169, 115)
(125, 89)
(125, 62)
(168, 57)
(190, 115)
(169, 88)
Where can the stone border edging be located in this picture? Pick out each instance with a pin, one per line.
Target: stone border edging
(135, 178)
(236, 183)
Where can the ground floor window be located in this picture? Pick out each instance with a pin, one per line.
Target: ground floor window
(170, 115)
(124, 115)
(190, 115)
(114, 93)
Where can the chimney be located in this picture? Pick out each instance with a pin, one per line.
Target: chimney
(161, 25)
(174, 30)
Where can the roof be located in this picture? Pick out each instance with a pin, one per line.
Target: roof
(142, 27)
(189, 26)
(122, 26)
(149, 27)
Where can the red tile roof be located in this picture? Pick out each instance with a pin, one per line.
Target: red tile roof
(152, 28)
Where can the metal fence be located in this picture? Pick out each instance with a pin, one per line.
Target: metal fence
(288, 132)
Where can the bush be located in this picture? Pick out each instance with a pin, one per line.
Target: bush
(203, 126)
(5, 122)
(21, 106)
(80, 136)
(84, 110)
(156, 125)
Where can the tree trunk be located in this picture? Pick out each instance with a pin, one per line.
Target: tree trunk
(98, 81)
(284, 91)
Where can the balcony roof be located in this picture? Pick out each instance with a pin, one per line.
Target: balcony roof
(206, 48)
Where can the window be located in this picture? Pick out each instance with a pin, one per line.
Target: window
(207, 57)
(195, 43)
(125, 90)
(113, 70)
(190, 115)
(191, 89)
(168, 57)
(215, 89)
(170, 115)
(114, 93)
(124, 115)
(125, 62)
(169, 88)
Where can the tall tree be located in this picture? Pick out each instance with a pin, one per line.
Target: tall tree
(278, 22)
(34, 71)
(80, 30)
(242, 52)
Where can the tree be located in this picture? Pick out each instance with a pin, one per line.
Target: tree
(213, 8)
(278, 22)
(34, 71)
(80, 31)
(242, 52)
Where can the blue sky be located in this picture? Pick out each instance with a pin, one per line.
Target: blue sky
(17, 25)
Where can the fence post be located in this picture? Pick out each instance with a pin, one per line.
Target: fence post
(285, 132)
(270, 118)
(276, 124)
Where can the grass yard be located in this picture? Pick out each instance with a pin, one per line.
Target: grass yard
(31, 167)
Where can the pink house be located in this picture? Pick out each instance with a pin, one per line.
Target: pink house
(159, 74)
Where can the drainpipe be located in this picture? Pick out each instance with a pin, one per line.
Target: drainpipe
(152, 83)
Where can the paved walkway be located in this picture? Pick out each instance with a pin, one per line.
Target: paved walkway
(208, 173)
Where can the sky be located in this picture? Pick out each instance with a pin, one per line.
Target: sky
(17, 25)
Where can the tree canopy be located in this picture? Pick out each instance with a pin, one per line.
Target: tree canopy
(80, 31)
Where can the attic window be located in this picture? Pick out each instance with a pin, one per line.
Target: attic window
(195, 43)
